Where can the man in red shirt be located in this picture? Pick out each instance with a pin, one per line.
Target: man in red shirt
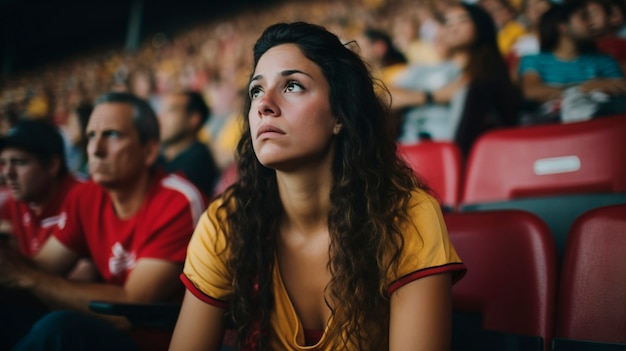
(133, 221)
(37, 180)
(33, 165)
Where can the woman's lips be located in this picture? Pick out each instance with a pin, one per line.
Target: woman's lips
(267, 128)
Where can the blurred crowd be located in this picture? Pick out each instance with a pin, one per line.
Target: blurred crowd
(437, 62)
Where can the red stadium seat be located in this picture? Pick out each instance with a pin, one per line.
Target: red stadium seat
(556, 171)
(440, 165)
(511, 277)
(592, 293)
(584, 157)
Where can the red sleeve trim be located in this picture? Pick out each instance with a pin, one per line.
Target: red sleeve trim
(457, 268)
(201, 295)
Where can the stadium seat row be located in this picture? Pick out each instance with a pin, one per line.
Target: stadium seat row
(556, 171)
(514, 297)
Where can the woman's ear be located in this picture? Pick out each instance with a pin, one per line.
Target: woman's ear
(337, 127)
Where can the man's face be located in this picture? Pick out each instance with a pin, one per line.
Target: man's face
(27, 179)
(173, 118)
(598, 19)
(116, 156)
(578, 26)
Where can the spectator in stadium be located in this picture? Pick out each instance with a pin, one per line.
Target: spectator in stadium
(569, 79)
(181, 117)
(134, 222)
(600, 12)
(528, 44)
(77, 139)
(223, 130)
(318, 179)
(35, 173)
(480, 97)
(431, 120)
(413, 31)
(618, 17)
(142, 83)
(377, 48)
(32, 160)
(504, 15)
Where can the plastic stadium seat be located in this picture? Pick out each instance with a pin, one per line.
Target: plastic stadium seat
(556, 171)
(440, 165)
(591, 307)
(583, 157)
(510, 282)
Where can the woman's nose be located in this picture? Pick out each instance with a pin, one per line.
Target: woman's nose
(267, 105)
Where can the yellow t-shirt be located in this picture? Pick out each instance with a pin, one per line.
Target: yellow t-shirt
(508, 35)
(427, 250)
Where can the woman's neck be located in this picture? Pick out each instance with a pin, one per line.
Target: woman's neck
(460, 58)
(305, 196)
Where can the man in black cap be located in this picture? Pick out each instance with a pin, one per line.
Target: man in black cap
(34, 170)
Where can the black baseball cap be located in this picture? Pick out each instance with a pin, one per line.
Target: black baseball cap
(36, 136)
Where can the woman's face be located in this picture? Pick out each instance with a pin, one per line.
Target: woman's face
(459, 28)
(291, 122)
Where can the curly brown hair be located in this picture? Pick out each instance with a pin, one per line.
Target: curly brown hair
(369, 202)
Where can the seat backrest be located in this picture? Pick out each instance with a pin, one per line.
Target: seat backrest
(592, 291)
(438, 163)
(558, 159)
(511, 270)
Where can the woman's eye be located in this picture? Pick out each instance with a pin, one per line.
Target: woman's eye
(255, 92)
(294, 87)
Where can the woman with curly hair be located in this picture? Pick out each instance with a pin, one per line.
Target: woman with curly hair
(327, 241)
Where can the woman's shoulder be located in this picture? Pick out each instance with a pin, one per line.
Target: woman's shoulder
(217, 210)
(210, 229)
(422, 200)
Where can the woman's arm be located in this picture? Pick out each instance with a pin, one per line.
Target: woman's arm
(421, 314)
(199, 327)
(401, 98)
